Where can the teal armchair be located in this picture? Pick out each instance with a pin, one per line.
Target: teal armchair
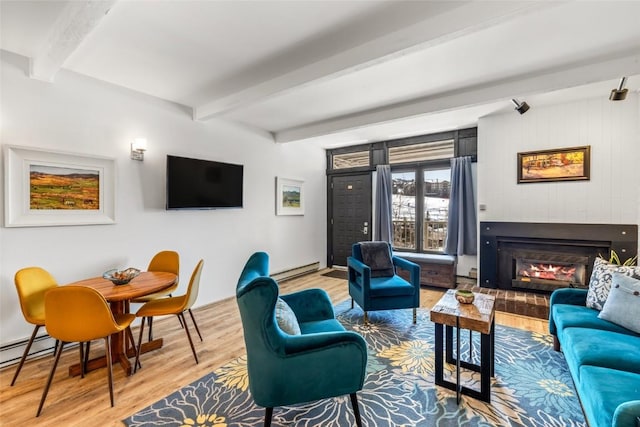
(323, 361)
(387, 291)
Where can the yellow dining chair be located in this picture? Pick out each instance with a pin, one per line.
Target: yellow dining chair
(172, 305)
(32, 283)
(81, 314)
(168, 261)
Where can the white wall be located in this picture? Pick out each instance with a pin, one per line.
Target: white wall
(81, 115)
(611, 196)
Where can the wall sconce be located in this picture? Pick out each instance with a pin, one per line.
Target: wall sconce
(521, 107)
(619, 94)
(138, 147)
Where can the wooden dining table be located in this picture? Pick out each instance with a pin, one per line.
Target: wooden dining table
(119, 297)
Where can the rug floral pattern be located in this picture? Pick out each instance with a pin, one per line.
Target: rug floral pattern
(532, 385)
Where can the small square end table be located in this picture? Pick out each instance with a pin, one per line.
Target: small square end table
(478, 316)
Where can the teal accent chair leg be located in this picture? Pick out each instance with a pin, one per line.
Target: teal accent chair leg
(415, 315)
(356, 410)
(268, 413)
(366, 318)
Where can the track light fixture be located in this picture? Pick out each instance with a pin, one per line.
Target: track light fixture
(620, 93)
(521, 107)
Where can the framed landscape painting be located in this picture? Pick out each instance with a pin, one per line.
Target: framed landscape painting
(561, 164)
(289, 196)
(47, 188)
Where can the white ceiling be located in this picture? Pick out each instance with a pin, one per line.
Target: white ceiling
(336, 73)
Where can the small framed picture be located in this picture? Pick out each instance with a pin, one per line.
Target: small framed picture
(289, 196)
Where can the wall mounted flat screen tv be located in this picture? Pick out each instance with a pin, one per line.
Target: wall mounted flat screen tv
(203, 184)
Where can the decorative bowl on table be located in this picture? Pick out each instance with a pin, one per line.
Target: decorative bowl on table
(465, 297)
(121, 277)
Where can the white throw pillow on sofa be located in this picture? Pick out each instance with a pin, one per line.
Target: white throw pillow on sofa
(623, 304)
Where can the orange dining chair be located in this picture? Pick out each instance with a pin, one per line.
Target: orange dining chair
(32, 283)
(81, 314)
(172, 305)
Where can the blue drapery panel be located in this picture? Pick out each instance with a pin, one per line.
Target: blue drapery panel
(383, 230)
(462, 229)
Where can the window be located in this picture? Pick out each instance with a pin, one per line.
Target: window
(350, 160)
(436, 208)
(420, 224)
(436, 150)
(403, 210)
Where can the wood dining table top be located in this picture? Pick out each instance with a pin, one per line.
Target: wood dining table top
(147, 282)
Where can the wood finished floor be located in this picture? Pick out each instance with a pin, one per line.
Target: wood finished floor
(76, 401)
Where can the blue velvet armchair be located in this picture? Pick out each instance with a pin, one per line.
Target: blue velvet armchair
(323, 361)
(387, 292)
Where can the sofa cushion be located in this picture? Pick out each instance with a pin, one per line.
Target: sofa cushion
(390, 287)
(286, 318)
(623, 304)
(603, 390)
(600, 348)
(600, 281)
(570, 316)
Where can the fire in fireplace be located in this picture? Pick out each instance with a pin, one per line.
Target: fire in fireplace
(548, 275)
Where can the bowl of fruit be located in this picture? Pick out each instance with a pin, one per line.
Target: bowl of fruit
(121, 277)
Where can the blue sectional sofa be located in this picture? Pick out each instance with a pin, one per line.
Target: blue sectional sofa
(604, 360)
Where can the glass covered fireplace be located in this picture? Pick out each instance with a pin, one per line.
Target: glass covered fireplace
(548, 271)
(542, 257)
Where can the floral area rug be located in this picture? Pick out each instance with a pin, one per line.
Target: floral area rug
(532, 385)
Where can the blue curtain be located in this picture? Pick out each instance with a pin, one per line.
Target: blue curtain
(383, 230)
(462, 231)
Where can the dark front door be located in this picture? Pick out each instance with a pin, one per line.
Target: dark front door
(349, 215)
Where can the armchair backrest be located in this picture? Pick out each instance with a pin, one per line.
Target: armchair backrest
(356, 251)
(256, 295)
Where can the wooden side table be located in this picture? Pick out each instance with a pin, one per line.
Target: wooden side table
(479, 317)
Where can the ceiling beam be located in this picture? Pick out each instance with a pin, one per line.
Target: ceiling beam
(459, 19)
(573, 75)
(76, 21)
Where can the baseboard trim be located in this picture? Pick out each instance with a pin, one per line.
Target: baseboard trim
(291, 273)
(11, 353)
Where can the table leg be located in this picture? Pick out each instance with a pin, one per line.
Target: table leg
(439, 377)
(485, 368)
(493, 349)
(458, 385)
(448, 346)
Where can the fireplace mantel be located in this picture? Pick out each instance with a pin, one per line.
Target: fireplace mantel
(585, 238)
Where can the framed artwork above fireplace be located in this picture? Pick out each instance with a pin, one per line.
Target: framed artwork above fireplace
(561, 164)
